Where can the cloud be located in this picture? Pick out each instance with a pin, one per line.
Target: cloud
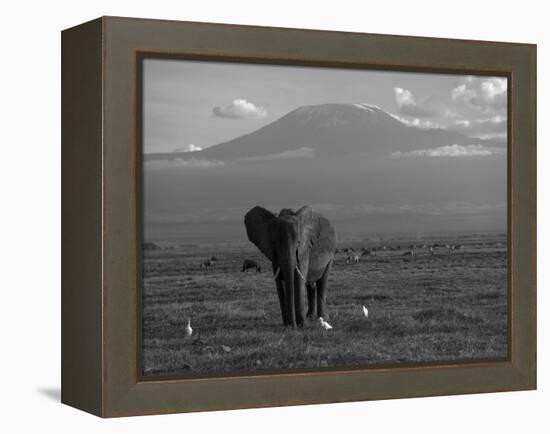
(416, 122)
(495, 127)
(286, 155)
(179, 163)
(408, 106)
(189, 148)
(488, 94)
(453, 151)
(240, 109)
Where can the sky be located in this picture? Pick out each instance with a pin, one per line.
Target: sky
(191, 105)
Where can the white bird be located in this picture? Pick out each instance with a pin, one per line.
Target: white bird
(365, 312)
(324, 324)
(188, 329)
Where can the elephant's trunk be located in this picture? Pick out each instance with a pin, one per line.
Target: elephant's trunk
(287, 266)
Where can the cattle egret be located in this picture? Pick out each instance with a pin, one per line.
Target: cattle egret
(324, 324)
(365, 312)
(188, 329)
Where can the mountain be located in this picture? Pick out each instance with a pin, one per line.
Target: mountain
(336, 158)
(327, 130)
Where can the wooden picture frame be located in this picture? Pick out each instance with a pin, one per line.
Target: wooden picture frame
(101, 244)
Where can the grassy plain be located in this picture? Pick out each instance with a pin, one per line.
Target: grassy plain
(442, 307)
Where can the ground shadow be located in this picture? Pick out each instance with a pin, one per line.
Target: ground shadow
(53, 393)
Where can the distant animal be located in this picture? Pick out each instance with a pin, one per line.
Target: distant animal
(365, 312)
(300, 245)
(366, 253)
(188, 329)
(213, 259)
(353, 258)
(324, 324)
(207, 263)
(408, 255)
(249, 264)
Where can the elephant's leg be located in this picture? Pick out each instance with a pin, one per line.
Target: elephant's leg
(322, 289)
(281, 294)
(299, 296)
(311, 300)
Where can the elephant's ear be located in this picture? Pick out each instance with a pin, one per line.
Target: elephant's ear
(257, 222)
(304, 212)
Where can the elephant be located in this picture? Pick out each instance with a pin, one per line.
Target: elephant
(301, 247)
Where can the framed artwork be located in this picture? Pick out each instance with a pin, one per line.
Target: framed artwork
(261, 216)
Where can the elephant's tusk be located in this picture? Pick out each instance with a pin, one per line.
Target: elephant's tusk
(300, 274)
(276, 274)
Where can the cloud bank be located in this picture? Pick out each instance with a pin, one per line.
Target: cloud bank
(452, 151)
(240, 109)
(495, 127)
(416, 122)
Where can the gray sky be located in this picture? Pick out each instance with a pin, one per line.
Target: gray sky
(194, 104)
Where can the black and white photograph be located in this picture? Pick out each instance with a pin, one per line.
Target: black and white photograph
(242, 217)
(310, 218)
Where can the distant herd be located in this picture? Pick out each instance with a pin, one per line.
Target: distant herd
(352, 256)
(209, 262)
